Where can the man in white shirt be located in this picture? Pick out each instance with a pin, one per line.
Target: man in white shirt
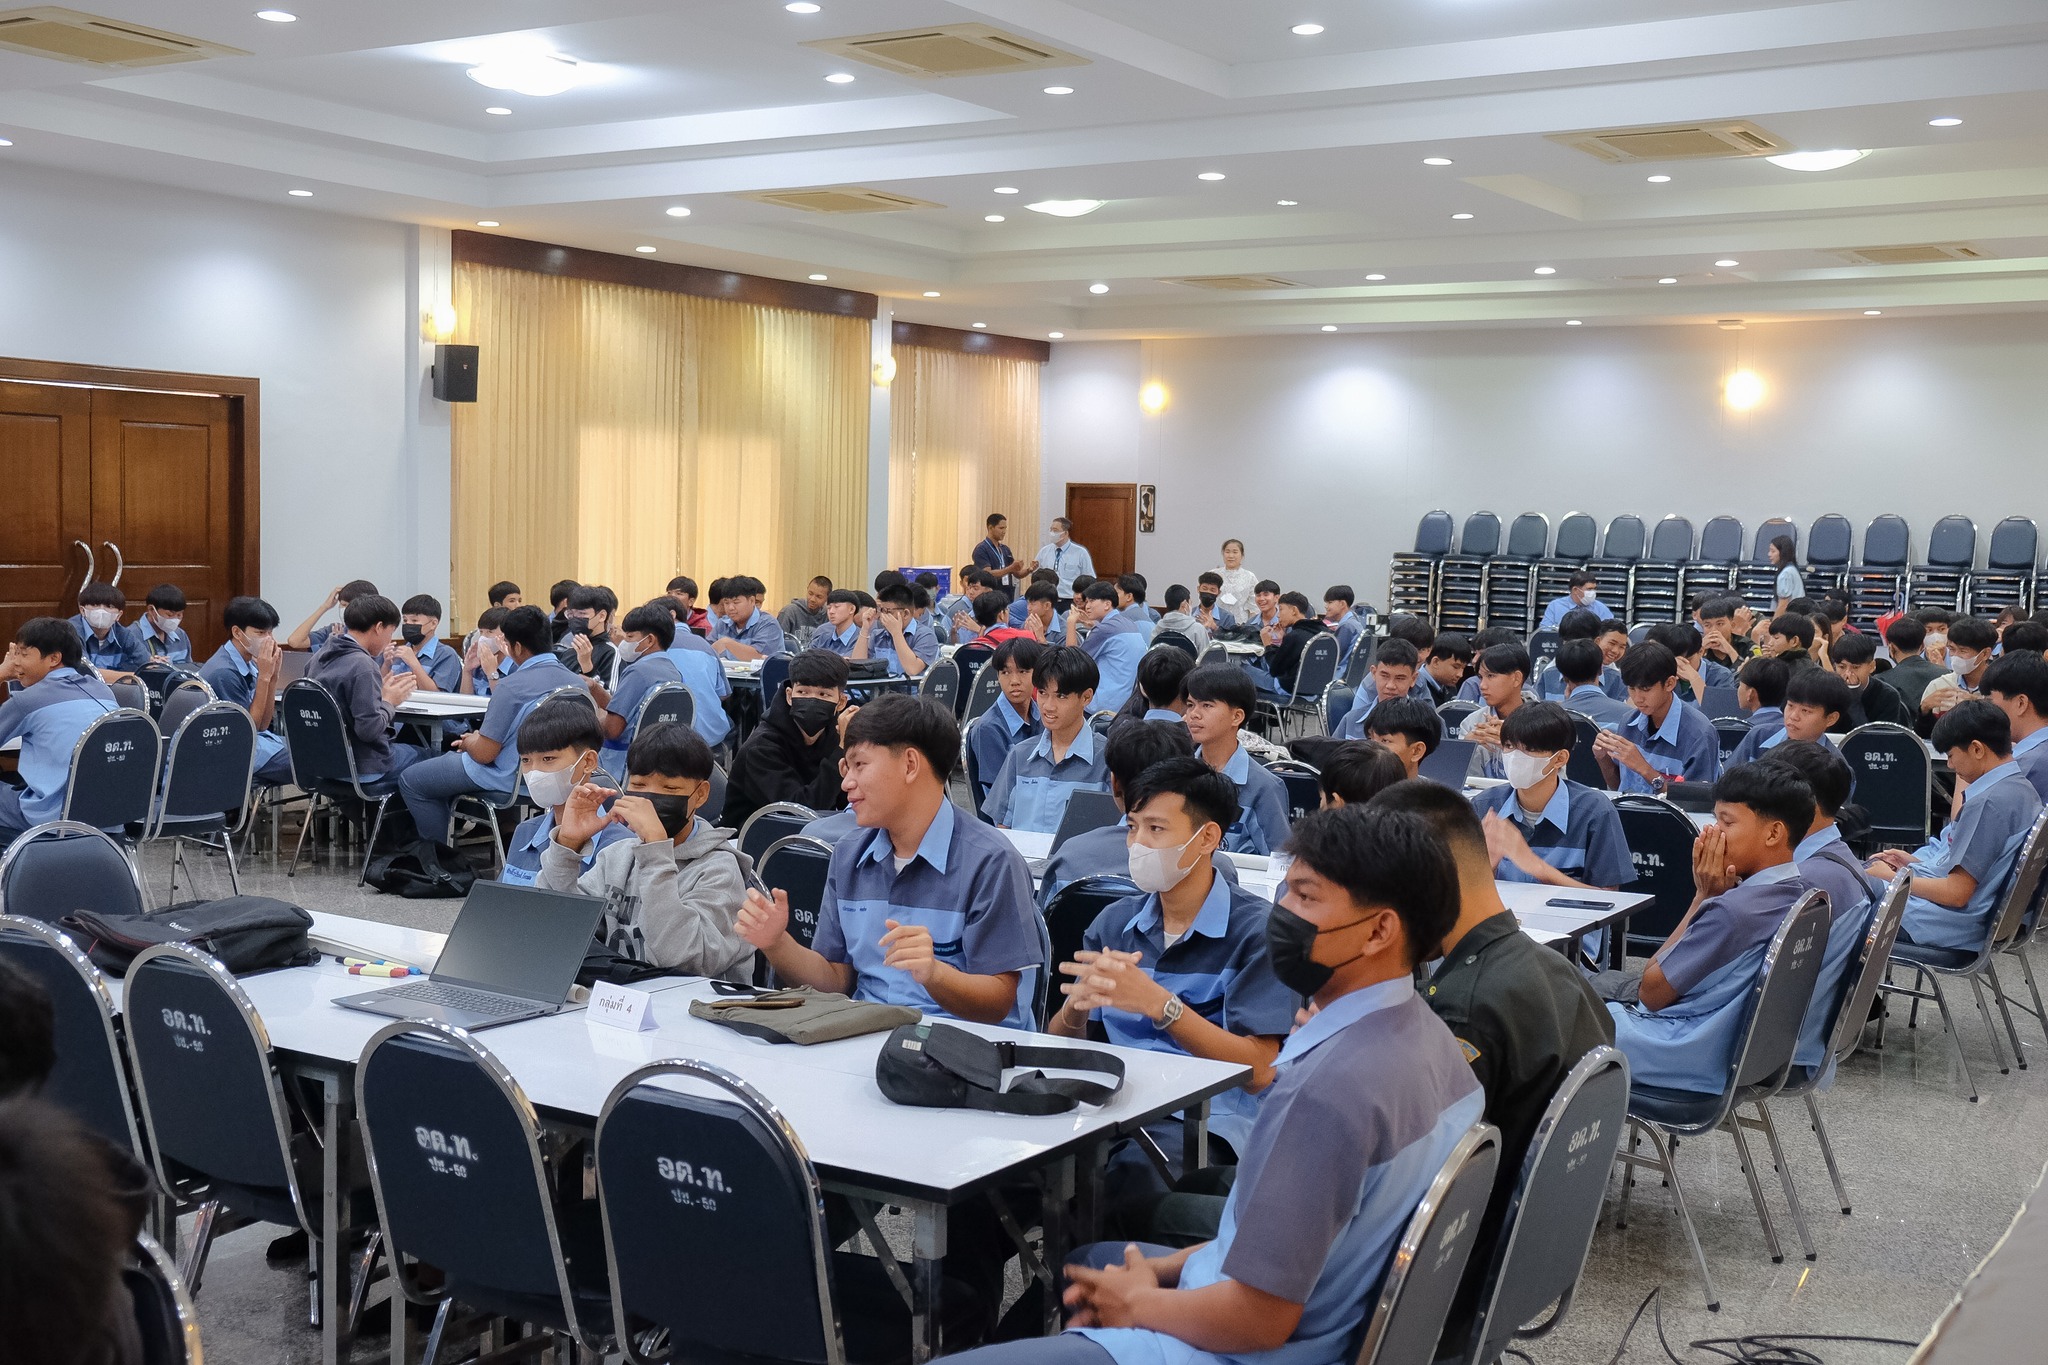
(1064, 557)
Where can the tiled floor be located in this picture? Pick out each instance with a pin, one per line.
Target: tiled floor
(1933, 1180)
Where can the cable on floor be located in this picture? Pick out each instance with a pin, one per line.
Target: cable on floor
(1756, 1348)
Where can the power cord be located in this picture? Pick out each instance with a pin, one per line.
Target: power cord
(1757, 1348)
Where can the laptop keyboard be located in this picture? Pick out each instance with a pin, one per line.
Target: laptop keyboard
(460, 997)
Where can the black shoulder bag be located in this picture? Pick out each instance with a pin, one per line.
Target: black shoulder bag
(931, 1065)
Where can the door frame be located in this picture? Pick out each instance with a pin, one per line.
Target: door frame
(245, 543)
(1067, 508)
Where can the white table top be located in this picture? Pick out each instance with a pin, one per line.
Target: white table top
(1242, 647)
(439, 705)
(827, 1091)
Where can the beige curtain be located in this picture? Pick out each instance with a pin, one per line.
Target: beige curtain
(963, 442)
(624, 435)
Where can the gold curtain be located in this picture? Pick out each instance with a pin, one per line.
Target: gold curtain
(963, 442)
(625, 435)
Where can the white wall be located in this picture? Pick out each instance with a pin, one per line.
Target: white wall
(322, 309)
(1321, 452)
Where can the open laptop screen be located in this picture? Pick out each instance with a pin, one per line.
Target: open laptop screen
(520, 940)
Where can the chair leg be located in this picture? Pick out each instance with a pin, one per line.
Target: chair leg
(1919, 983)
(1756, 1190)
(1684, 1214)
(361, 1272)
(1998, 994)
(227, 846)
(2027, 970)
(370, 845)
(305, 828)
(432, 1350)
(1827, 1151)
(1949, 1023)
(1770, 1128)
(194, 1267)
(1990, 1027)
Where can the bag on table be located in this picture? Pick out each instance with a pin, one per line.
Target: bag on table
(937, 1066)
(247, 933)
(801, 1015)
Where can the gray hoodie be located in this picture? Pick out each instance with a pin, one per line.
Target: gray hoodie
(1182, 623)
(689, 899)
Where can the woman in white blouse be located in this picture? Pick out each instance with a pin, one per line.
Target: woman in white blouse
(1238, 582)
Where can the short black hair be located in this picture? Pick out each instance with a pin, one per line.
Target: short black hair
(1579, 662)
(1409, 717)
(1793, 625)
(817, 668)
(1832, 611)
(1580, 623)
(1906, 634)
(990, 608)
(996, 519)
(921, 596)
(1450, 644)
(1853, 648)
(1419, 631)
(559, 593)
(1065, 669)
(593, 597)
(1020, 654)
(1356, 770)
(1582, 578)
(1975, 719)
(1444, 809)
(653, 618)
(28, 1023)
(166, 597)
(1678, 637)
(1266, 585)
(1385, 858)
(1341, 592)
(894, 595)
(354, 588)
(248, 613)
(1934, 616)
(887, 578)
(1805, 606)
(1542, 727)
(2019, 673)
(1827, 774)
(561, 723)
(1972, 632)
(1774, 791)
(1161, 672)
(1504, 659)
(1134, 745)
(1209, 578)
(102, 595)
(492, 618)
(68, 1230)
(502, 589)
(1395, 652)
(899, 721)
(528, 628)
(1819, 687)
(1767, 677)
(1647, 664)
(745, 585)
(669, 748)
(420, 604)
(1134, 584)
(1299, 602)
(1177, 596)
(1043, 592)
(1210, 797)
(1101, 590)
(820, 581)
(681, 583)
(1225, 683)
(368, 612)
(1612, 625)
(51, 635)
(2023, 636)
(845, 597)
(1719, 607)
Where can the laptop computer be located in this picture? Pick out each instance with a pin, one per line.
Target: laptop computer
(292, 665)
(1450, 763)
(513, 954)
(1085, 811)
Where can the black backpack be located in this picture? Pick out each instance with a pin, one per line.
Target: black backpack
(936, 1066)
(247, 933)
(417, 872)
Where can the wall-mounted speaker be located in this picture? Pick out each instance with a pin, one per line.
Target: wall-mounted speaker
(455, 373)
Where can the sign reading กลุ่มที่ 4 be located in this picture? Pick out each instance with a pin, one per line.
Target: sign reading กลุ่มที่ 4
(621, 1007)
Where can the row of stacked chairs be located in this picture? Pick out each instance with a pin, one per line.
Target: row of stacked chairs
(1469, 577)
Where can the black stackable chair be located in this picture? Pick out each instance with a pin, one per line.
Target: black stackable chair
(1756, 582)
(1578, 541)
(91, 1075)
(1422, 1279)
(1461, 578)
(1893, 782)
(1304, 786)
(1412, 574)
(1830, 545)
(1074, 907)
(941, 683)
(209, 762)
(1622, 548)
(797, 866)
(1877, 582)
(988, 686)
(1730, 731)
(775, 821)
(1712, 567)
(1317, 670)
(2008, 576)
(113, 771)
(166, 1320)
(1511, 578)
(1941, 579)
(62, 866)
(1657, 595)
(1659, 837)
(666, 704)
(324, 764)
(1582, 766)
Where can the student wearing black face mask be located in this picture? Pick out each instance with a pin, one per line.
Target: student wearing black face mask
(419, 648)
(793, 754)
(683, 878)
(586, 644)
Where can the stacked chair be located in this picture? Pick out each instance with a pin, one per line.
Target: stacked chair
(1578, 538)
(1411, 580)
(1511, 599)
(1829, 542)
(2007, 578)
(1461, 581)
(1756, 582)
(1657, 596)
(1877, 585)
(1951, 550)
(1620, 551)
(1712, 569)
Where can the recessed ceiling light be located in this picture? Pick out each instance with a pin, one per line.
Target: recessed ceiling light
(6, 142)
(277, 16)
(1375, 277)
(676, 211)
(487, 222)
(993, 218)
(1059, 90)
(1573, 322)
(931, 293)
(1817, 161)
(1098, 289)
(644, 250)
(1727, 265)
(1669, 279)
(1873, 312)
(1437, 161)
(497, 109)
(1546, 270)
(802, 7)
(1210, 175)
(1306, 30)
(1006, 189)
(1460, 217)
(819, 277)
(1066, 208)
(1659, 179)
(981, 324)
(840, 78)
(527, 69)
(1055, 335)
(300, 194)
(1329, 327)
(1943, 122)
(1287, 203)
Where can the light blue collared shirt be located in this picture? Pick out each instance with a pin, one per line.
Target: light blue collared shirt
(1032, 790)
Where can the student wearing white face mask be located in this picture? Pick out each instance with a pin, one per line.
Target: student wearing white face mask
(558, 752)
(162, 626)
(245, 671)
(1188, 926)
(1584, 591)
(1543, 827)
(114, 650)
(1968, 653)
(643, 665)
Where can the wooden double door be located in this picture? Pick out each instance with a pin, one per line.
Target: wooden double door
(127, 486)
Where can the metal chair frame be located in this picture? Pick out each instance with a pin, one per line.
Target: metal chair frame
(774, 809)
(1476, 1155)
(95, 983)
(162, 825)
(303, 687)
(122, 716)
(54, 829)
(155, 1263)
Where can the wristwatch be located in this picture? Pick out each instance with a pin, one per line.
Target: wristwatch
(1169, 1014)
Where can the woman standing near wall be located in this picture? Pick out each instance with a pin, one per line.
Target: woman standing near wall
(1238, 581)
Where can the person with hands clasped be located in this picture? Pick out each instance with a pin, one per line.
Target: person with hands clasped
(644, 664)
(245, 671)
(683, 879)
(1370, 1095)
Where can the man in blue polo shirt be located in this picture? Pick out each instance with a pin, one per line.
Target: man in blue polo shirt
(1578, 666)
(1391, 678)
(419, 648)
(1760, 692)
(924, 906)
(1814, 702)
(743, 631)
(842, 633)
(558, 751)
(1115, 641)
(1181, 967)
(58, 700)
(703, 672)
(1959, 876)
(1132, 747)
(486, 760)
(1012, 718)
(908, 646)
(1371, 1096)
(109, 646)
(1219, 698)
(162, 626)
(644, 664)
(1680, 1020)
(2017, 683)
(1042, 773)
(1542, 827)
(245, 671)
(1583, 594)
(1668, 739)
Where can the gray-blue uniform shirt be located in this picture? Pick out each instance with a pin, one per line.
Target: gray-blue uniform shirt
(2031, 754)
(1825, 861)
(1984, 840)
(1262, 806)
(1589, 701)
(1104, 852)
(528, 842)
(443, 664)
(636, 680)
(998, 730)
(1577, 832)
(1685, 747)
(1032, 789)
(762, 631)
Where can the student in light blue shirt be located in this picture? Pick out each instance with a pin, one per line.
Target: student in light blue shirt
(842, 633)
(1219, 698)
(1959, 876)
(57, 702)
(1579, 624)
(1012, 719)
(1784, 556)
(1679, 1022)
(437, 667)
(1668, 739)
(647, 633)
(1540, 826)
(703, 673)
(1391, 678)
(898, 637)
(2017, 683)
(1209, 609)
(163, 625)
(1042, 773)
(743, 631)
(115, 650)
(1582, 594)
(1579, 664)
(1115, 642)
(1481, 642)
(1130, 596)
(1341, 620)
(483, 655)
(1696, 672)
(1760, 691)
(1814, 702)
(558, 751)
(1158, 694)
(245, 671)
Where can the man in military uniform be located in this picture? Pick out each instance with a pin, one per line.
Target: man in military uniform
(1523, 1015)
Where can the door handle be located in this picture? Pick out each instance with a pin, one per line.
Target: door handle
(89, 562)
(119, 564)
